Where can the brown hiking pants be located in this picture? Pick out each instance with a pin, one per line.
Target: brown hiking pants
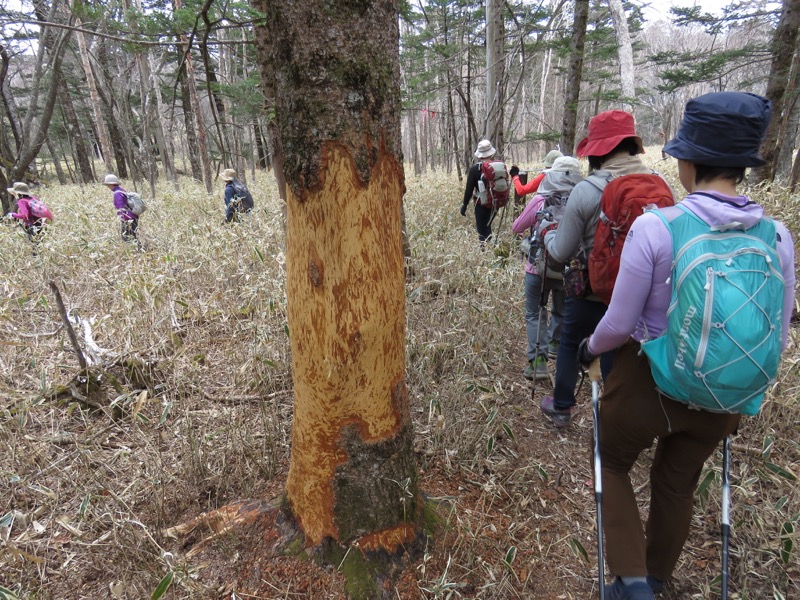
(632, 414)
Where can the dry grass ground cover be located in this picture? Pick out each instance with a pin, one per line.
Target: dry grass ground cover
(192, 410)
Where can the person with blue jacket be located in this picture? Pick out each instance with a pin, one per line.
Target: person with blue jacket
(238, 199)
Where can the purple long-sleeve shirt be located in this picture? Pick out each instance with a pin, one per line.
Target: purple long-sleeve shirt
(641, 295)
(121, 204)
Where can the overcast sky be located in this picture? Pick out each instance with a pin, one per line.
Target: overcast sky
(658, 9)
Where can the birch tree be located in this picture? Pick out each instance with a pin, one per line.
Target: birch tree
(625, 53)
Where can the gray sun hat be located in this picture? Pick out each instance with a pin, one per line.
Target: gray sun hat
(19, 188)
(562, 177)
(551, 157)
(485, 149)
(111, 180)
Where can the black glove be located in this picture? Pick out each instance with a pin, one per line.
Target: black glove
(513, 171)
(585, 357)
(463, 210)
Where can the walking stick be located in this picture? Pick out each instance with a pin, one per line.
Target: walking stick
(542, 311)
(594, 376)
(725, 527)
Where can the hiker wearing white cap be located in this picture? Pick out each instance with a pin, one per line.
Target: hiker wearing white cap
(32, 214)
(129, 222)
(237, 198)
(483, 212)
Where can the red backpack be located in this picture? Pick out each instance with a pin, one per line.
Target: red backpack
(623, 199)
(494, 177)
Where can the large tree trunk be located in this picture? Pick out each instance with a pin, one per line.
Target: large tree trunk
(194, 107)
(103, 139)
(44, 85)
(120, 144)
(189, 121)
(352, 476)
(62, 178)
(791, 128)
(495, 71)
(81, 153)
(784, 45)
(574, 76)
(625, 53)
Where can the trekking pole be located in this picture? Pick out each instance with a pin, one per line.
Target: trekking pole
(542, 312)
(594, 376)
(725, 527)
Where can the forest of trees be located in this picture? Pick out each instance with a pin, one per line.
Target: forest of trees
(155, 89)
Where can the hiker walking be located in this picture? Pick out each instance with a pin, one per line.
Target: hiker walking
(540, 281)
(532, 186)
(488, 194)
(719, 137)
(238, 199)
(612, 147)
(32, 214)
(129, 222)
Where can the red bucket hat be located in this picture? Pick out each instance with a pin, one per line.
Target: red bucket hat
(606, 130)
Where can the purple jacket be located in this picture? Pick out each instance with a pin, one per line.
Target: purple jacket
(121, 204)
(641, 295)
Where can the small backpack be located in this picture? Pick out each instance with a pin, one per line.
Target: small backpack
(38, 209)
(722, 345)
(135, 203)
(624, 198)
(242, 195)
(493, 187)
(552, 210)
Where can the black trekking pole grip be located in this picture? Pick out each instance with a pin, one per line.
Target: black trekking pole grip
(725, 526)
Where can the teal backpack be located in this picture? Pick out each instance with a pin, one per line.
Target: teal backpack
(722, 345)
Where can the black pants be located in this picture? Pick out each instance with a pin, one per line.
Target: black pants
(483, 218)
(34, 229)
(128, 230)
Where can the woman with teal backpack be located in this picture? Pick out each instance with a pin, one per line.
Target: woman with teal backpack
(718, 139)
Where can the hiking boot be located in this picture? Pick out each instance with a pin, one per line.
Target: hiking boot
(559, 417)
(552, 350)
(536, 369)
(635, 591)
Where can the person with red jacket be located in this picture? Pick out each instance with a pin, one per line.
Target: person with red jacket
(522, 189)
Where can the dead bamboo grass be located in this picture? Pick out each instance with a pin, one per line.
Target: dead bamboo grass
(86, 493)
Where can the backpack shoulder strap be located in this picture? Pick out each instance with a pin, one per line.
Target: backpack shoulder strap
(599, 181)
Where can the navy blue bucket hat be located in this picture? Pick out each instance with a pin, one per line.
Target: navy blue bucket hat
(722, 129)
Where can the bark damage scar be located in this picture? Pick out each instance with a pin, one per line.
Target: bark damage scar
(352, 442)
(389, 539)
